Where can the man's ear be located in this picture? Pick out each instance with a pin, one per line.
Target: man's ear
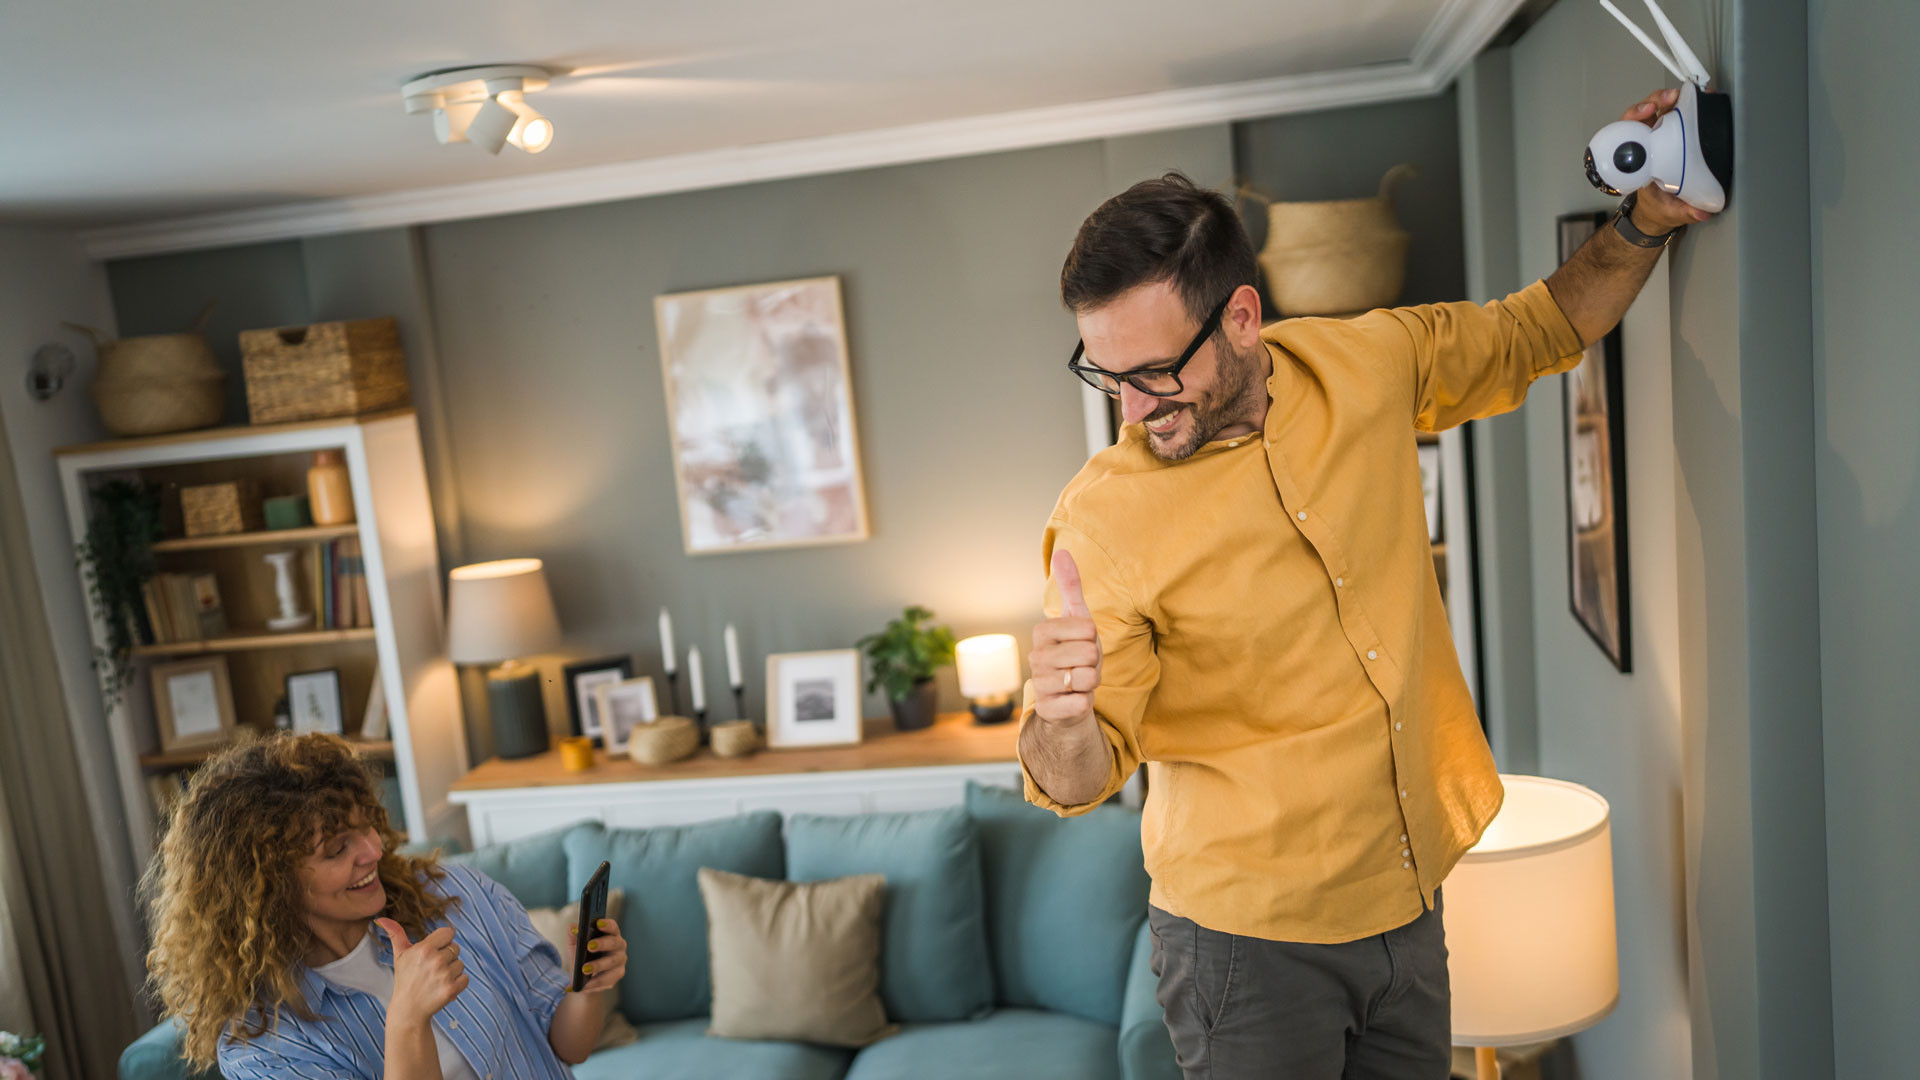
(1242, 317)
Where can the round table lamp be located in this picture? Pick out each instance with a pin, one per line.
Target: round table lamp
(989, 667)
(498, 612)
(1529, 919)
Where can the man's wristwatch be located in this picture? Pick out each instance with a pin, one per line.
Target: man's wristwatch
(1623, 224)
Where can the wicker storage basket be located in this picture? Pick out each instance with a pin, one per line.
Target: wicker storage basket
(231, 506)
(1339, 257)
(663, 741)
(735, 738)
(157, 384)
(324, 370)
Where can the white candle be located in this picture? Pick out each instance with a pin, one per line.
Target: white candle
(733, 659)
(693, 676)
(666, 641)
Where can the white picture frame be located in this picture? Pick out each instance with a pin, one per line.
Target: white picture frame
(814, 699)
(760, 416)
(314, 702)
(623, 706)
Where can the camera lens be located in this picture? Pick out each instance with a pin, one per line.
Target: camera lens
(1628, 157)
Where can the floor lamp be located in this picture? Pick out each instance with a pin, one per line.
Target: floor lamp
(1529, 918)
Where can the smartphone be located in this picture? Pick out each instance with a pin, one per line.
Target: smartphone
(593, 908)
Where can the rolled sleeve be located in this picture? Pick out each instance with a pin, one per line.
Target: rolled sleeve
(1469, 361)
(1129, 664)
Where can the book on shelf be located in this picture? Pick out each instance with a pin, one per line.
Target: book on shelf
(182, 607)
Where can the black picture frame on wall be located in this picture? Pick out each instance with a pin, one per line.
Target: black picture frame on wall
(1593, 404)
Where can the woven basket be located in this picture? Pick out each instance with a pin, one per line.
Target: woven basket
(664, 741)
(735, 738)
(324, 370)
(159, 383)
(231, 506)
(1338, 257)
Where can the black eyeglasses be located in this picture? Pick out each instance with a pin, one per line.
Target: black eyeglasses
(1160, 381)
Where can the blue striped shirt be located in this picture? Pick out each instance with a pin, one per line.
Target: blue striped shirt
(500, 1021)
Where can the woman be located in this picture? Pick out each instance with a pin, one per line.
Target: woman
(275, 871)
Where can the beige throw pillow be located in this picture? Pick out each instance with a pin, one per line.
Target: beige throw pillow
(553, 924)
(796, 960)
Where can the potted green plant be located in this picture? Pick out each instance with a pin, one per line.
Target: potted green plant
(117, 557)
(905, 656)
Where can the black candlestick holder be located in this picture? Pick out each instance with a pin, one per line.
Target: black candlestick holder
(673, 693)
(700, 721)
(740, 702)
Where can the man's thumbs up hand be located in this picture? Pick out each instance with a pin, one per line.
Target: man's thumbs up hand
(1065, 660)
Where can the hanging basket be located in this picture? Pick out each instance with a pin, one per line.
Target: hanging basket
(1338, 257)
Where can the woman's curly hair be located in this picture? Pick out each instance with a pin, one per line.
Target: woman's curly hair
(225, 897)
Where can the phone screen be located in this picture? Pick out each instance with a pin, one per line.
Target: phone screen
(593, 908)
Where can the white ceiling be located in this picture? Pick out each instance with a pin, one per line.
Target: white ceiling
(134, 111)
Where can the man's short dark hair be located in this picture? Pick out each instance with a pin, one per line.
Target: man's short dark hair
(1169, 229)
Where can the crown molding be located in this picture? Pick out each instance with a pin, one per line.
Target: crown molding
(1460, 29)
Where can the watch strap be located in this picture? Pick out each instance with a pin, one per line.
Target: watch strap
(1623, 224)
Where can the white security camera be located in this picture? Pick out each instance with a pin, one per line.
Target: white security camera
(1688, 152)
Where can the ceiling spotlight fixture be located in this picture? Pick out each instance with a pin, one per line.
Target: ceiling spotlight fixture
(485, 106)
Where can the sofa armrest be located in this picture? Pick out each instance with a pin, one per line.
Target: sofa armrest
(156, 1056)
(1146, 1050)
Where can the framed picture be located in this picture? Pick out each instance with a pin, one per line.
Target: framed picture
(1593, 400)
(813, 698)
(760, 415)
(583, 680)
(193, 703)
(314, 699)
(624, 706)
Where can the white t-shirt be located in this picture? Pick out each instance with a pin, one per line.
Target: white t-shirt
(362, 970)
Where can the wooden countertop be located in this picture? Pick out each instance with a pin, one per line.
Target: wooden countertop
(954, 739)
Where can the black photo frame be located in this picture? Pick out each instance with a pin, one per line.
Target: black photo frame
(581, 704)
(1593, 405)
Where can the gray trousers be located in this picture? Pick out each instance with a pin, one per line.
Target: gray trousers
(1242, 1008)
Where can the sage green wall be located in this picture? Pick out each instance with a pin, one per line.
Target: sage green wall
(1866, 212)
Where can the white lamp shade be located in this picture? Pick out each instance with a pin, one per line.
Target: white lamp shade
(989, 664)
(1529, 919)
(499, 611)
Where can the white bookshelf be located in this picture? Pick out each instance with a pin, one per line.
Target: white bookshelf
(404, 649)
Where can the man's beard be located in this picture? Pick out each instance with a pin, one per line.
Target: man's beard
(1215, 410)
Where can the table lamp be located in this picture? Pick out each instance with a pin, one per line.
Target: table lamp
(498, 612)
(989, 669)
(1529, 919)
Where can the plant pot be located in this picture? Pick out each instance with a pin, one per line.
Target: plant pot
(915, 711)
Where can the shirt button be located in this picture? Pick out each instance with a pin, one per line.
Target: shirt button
(1339, 583)
(1302, 515)
(1372, 654)
(1406, 866)
(1403, 793)
(1396, 725)
(1403, 838)
(455, 1025)
(1404, 852)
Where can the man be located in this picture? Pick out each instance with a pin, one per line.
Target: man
(1243, 597)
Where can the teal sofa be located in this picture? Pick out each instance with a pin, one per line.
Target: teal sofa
(1015, 942)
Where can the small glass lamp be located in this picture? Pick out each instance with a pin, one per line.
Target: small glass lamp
(498, 612)
(989, 668)
(1529, 916)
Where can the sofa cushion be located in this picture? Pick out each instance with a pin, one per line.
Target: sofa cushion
(156, 1056)
(533, 868)
(682, 1050)
(1011, 1042)
(933, 956)
(1065, 897)
(666, 924)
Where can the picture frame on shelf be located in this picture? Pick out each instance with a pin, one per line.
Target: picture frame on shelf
(623, 706)
(814, 698)
(760, 416)
(582, 680)
(193, 703)
(315, 702)
(1593, 406)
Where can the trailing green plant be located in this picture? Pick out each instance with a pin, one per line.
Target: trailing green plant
(905, 652)
(29, 1050)
(117, 560)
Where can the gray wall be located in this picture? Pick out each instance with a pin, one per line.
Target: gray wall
(1720, 817)
(1867, 384)
(1342, 154)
